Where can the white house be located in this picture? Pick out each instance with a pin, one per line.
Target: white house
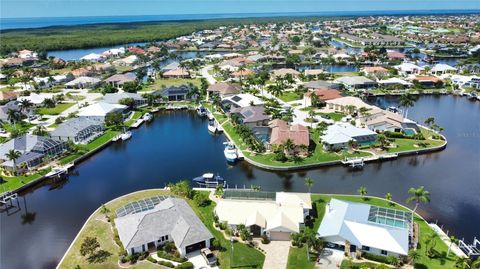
(441, 69)
(100, 110)
(92, 57)
(368, 228)
(277, 217)
(406, 69)
(338, 135)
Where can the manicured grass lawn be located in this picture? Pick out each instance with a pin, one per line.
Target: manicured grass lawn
(290, 96)
(320, 201)
(13, 183)
(167, 82)
(244, 256)
(21, 126)
(59, 108)
(297, 258)
(336, 116)
(318, 155)
(405, 144)
(134, 118)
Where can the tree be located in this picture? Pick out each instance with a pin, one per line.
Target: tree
(13, 116)
(389, 197)
(130, 102)
(89, 246)
(362, 191)
(407, 100)
(383, 140)
(430, 243)
(288, 146)
(413, 255)
(49, 103)
(25, 105)
(309, 183)
(40, 131)
(181, 188)
(131, 86)
(311, 115)
(462, 263)
(429, 121)
(13, 155)
(419, 195)
(114, 119)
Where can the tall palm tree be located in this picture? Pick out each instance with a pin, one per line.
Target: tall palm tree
(389, 197)
(13, 155)
(419, 195)
(414, 255)
(25, 105)
(288, 146)
(407, 100)
(362, 191)
(13, 116)
(309, 183)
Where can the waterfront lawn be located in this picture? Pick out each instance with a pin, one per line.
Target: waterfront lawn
(290, 96)
(134, 118)
(406, 144)
(13, 183)
(160, 83)
(93, 145)
(318, 155)
(244, 255)
(59, 108)
(335, 116)
(441, 261)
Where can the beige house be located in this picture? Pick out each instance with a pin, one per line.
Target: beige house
(342, 104)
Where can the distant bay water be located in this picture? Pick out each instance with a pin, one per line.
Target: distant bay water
(40, 22)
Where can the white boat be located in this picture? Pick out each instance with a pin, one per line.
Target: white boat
(202, 111)
(59, 171)
(230, 152)
(147, 117)
(209, 180)
(116, 138)
(126, 135)
(212, 126)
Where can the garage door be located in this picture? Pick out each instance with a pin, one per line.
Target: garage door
(279, 236)
(196, 246)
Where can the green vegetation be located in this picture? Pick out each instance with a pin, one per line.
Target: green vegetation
(336, 116)
(59, 108)
(297, 258)
(167, 82)
(20, 127)
(74, 37)
(93, 145)
(406, 144)
(136, 115)
(291, 96)
(13, 183)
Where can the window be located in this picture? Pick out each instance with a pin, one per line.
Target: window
(163, 238)
(166, 237)
(366, 248)
(384, 252)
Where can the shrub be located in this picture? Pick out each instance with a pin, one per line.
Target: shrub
(394, 134)
(223, 225)
(216, 244)
(185, 265)
(265, 239)
(164, 255)
(382, 259)
(201, 199)
(151, 259)
(167, 264)
(59, 120)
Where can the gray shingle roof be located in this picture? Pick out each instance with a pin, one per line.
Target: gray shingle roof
(72, 126)
(172, 216)
(114, 98)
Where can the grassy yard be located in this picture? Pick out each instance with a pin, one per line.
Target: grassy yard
(405, 144)
(167, 82)
(320, 201)
(13, 183)
(336, 116)
(319, 155)
(297, 258)
(21, 126)
(134, 118)
(59, 108)
(245, 257)
(290, 96)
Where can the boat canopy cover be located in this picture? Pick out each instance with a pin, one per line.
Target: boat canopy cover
(208, 175)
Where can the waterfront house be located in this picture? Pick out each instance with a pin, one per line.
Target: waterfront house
(338, 136)
(116, 98)
(81, 72)
(45, 82)
(118, 80)
(282, 72)
(322, 94)
(33, 150)
(376, 71)
(251, 116)
(394, 83)
(176, 73)
(170, 220)
(129, 60)
(343, 104)
(277, 215)
(380, 120)
(223, 89)
(406, 69)
(175, 93)
(171, 66)
(356, 82)
(240, 100)
(37, 99)
(428, 81)
(395, 55)
(367, 228)
(83, 82)
(100, 110)
(281, 131)
(441, 69)
(79, 130)
(321, 84)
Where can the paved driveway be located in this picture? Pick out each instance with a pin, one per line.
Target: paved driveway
(276, 256)
(330, 259)
(198, 261)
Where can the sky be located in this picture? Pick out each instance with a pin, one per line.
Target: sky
(70, 8)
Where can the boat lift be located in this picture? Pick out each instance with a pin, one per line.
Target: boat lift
(472, 250)
(6, 203)
(356, 163)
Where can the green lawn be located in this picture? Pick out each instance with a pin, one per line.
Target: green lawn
(13, 183)
(167, 82)
(59, 108)
(336, 116)
(21, 126)
(245, 257)
(297, 258)
(319, 155)
(290, 96)
(320, 201)
(405, 144)
(136, 115)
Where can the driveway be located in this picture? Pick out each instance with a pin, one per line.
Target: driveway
(198, 261)
(276, 256)
(330, 259)
(205, 74)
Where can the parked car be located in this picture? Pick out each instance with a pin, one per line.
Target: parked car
(209, 256)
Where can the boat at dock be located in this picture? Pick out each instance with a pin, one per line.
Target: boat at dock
(126, 135)
(209, 180)
(230, 152)
(354, 163)
(59, 171)
(147, 117)
(202, 111)
(214, 127)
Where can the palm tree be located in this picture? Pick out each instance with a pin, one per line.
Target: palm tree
(430, 242)
(429, 121)
(40, 131)
(311, 114)
(25, 105)
(407, 100)
(216, 101)
(414, 255)
(476, 264)
(362, 191)
(13, 155)
(288, 146)
(462, 263)
(389, 197)
(13, 116)
(383, 140)
(419, 195)
(309, 183)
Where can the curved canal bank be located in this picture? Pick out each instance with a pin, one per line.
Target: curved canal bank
(178, 146)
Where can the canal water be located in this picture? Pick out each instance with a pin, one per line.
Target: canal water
(177, 145)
